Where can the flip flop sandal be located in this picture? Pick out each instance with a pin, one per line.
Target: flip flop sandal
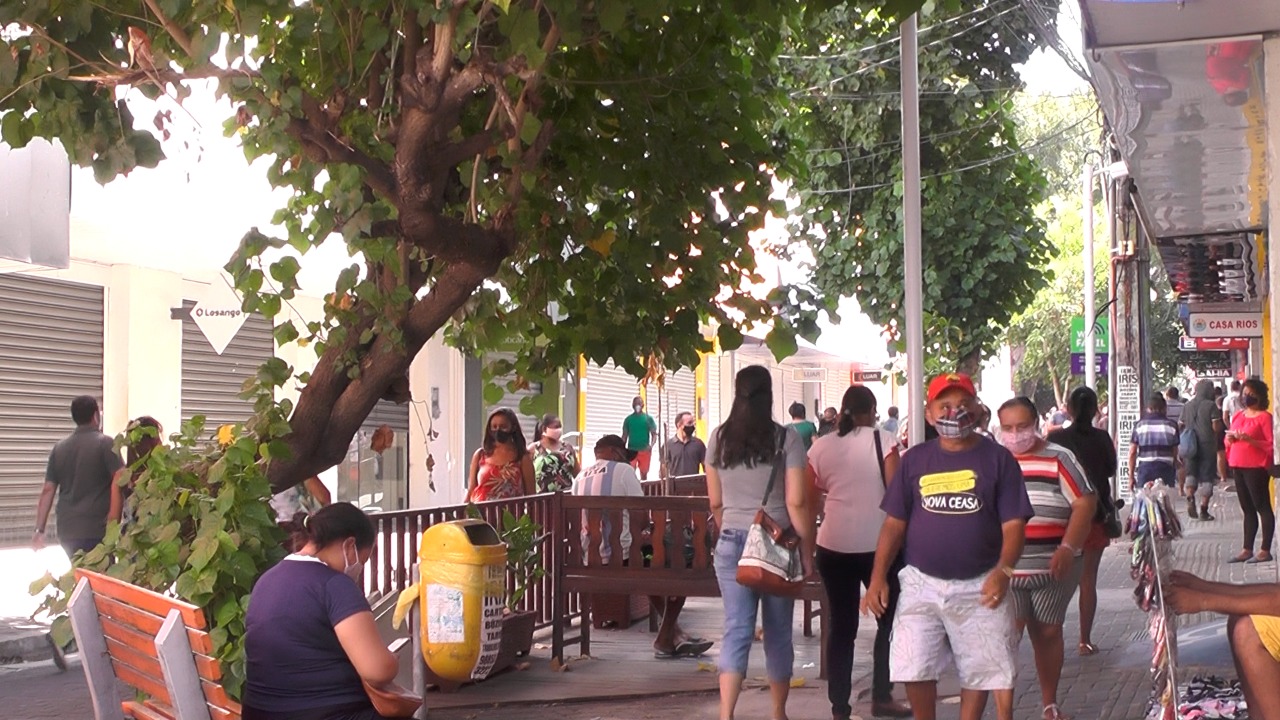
(693, 647)
(1051, 712)
(1087, 649)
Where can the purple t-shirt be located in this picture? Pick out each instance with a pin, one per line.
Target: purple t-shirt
(954, 504)
(293, 658)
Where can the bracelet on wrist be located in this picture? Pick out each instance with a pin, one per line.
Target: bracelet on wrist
(1075, 551)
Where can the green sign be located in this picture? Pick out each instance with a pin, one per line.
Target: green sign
(1101, 335)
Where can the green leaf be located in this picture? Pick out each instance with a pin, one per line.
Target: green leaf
(612, 14)
(15, 130)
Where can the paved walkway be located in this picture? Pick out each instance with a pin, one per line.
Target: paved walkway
(624, 681)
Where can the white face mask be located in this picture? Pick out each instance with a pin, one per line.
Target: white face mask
(1019, 442)
(553, 434)
(351, 568)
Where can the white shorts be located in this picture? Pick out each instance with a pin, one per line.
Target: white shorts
(941, 624)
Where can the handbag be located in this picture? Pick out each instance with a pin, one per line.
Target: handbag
(770, 561)
(1187, 444)
(393, 701)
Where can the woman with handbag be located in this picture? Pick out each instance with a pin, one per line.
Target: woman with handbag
(851, 468)
(1096, 452)
(765, 548)
(312, 649)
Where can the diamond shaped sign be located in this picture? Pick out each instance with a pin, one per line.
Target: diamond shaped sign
(218, 314)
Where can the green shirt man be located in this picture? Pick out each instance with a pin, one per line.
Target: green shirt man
(805, 429)
(639, 431)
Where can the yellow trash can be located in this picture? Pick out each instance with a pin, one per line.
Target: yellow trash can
(462, 590)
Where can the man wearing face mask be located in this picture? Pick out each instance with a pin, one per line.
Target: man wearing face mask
(685, 452)
(640, 431)
(1047, 574)
(957, 510)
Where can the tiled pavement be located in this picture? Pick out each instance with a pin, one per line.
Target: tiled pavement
(1113, 685)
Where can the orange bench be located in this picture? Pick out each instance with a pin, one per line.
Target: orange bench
(154, 644)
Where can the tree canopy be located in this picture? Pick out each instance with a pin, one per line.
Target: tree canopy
(982, 243)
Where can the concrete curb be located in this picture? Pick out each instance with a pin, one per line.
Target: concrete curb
(23, 641)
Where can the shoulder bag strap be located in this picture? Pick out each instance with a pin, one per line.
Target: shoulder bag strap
(880, 456)
(779, 462)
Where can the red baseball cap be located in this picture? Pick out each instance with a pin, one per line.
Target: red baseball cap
(946, 381)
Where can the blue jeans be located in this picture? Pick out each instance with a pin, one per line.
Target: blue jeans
(740, 606)
(1157, 471)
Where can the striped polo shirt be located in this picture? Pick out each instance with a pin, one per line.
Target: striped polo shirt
(1054, 480)
(1156, 437)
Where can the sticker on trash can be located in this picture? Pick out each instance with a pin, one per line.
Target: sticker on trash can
(494, 607)
(444, 615)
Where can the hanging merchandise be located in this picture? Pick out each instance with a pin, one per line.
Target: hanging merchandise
(1153, 525)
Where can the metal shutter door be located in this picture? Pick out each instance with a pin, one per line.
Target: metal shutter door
(714, 392)
(389, 413)
(51, 350)
(211, 383)
(792, 392)
(513, 400)
(610, 390)
(833, 389)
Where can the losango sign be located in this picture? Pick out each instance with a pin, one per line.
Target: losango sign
(1225, 325)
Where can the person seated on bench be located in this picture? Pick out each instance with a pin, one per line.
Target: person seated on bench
(1253, 629)
(310, 638)
(612, 475)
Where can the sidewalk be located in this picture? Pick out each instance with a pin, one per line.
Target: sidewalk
(624, 681)
(21, 639)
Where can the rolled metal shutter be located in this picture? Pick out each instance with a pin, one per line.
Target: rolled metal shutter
(51, 350)
(514, 399)
(714, 392)
(833, 389)
(792, 392)
(211, 383)
(389, 413)
(610, 390)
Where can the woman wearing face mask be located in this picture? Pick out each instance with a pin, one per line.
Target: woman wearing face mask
(1096, 451)
(849, 471)
(503, 466)
(1046, 576)
(310, 638)
(1249, 444)
(555, 464)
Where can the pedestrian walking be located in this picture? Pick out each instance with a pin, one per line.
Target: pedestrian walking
(743, 451)
(890, 425)
(1202, 417)
(807, 430)
(1047, 574)
(1096, 452)
(827, 423)
(1174, 403)
(640, 431)
(503, 466)
(1249, 451)
(81, 469)
(143, 436)
(685, 453)
(957, 510)
(555, 464)
(849, 470)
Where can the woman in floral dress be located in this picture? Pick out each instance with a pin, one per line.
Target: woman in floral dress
(503, 467)
(555, 464)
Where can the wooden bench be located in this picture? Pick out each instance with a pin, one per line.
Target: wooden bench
(152, 643)
(584, 571)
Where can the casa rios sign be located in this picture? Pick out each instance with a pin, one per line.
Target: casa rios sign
(1225, 325)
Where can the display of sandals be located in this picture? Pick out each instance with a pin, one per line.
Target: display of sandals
(1153, 525)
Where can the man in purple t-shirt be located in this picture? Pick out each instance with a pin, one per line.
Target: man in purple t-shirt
(957, 509)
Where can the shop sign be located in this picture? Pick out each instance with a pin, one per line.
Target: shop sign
(1190, 344)
(868, 376)
(1128, 411)
(1225, 325)
(218, 314)
(809, 374)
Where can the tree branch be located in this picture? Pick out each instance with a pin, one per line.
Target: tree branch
(412, 42)
(134, 77)
(178, 34)
(467, 147)
(324, 146)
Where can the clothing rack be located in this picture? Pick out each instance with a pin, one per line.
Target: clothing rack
(1154, 525)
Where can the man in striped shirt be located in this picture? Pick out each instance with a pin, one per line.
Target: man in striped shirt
(1045, 579)
(1153, 449)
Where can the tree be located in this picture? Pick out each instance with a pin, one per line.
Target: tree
(557, 177)
(982, 242)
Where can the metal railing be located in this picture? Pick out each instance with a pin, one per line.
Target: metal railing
(399, 535)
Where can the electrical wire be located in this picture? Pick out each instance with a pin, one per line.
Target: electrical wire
(896, 39)
(1060, 136)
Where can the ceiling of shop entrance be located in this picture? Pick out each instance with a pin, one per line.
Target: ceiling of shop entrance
(1190, 122)
(1111, 23)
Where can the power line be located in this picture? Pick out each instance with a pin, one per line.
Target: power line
(892, 40)
(1057, 137)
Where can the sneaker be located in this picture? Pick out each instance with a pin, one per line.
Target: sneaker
(1204, 514)
(1191, 509)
